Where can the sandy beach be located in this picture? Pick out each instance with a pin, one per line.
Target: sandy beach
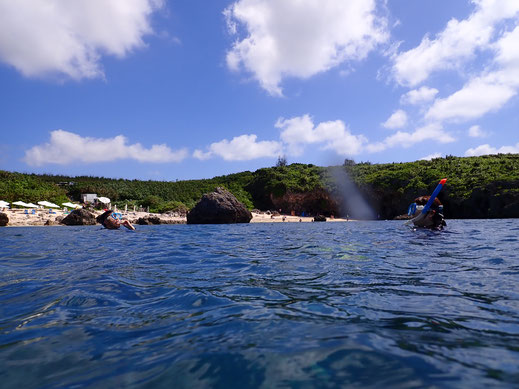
(267, 218)
(43, 217)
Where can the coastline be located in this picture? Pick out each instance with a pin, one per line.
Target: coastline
(42, 217)
(266, 218)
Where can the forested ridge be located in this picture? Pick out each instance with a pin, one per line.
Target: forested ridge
(485, 186)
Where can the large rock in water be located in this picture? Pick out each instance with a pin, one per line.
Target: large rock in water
(219, 207)
(80, 217)
(4, 219)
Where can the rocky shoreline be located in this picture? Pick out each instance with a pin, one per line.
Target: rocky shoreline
(40, 217)
(18, 218)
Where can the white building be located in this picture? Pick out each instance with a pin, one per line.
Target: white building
(88, 198)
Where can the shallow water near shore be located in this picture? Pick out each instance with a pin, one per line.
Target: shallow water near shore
(360, 304)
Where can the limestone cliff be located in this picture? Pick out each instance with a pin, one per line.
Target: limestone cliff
(317, 201)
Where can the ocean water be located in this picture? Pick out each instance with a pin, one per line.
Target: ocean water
(284, 305)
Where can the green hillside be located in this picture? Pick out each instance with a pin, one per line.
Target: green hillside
(486, 186)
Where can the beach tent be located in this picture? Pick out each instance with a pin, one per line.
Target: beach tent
(104, 200)
(71, 205)
(48, 204)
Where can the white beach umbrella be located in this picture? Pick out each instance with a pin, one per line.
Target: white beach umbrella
(104, 200)
(3, 204)
(31, 205)
(48, 204)
(71, 205)
(20, 203)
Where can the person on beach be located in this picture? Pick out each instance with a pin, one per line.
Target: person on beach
(434, 218)
(112, 220)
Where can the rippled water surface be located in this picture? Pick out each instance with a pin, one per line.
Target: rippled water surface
(295, 305)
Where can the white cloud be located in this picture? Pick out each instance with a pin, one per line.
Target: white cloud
(241, 148)
(300, 131)
(487, 149)
(68, 38)
(419, 96)
(487, 92)
(66, 147)
(478, 97)
(433, 132)
(297, 38)
(457, 43)
(397, 120)
(508, 49)
(477, 132)
(431, 156)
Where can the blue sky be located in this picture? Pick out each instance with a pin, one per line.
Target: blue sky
(166, 90)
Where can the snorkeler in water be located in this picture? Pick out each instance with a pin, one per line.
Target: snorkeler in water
(434, 218)
(427, 211)
(113, 220)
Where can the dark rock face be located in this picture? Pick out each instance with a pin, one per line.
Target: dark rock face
(79, 217)
(497, 200)
(149, 220)
(319, 218)
(4, 219)
(314, 202)
(219, 207)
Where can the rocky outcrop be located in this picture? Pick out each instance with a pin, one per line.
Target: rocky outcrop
(319, 218)
(79, 217)
(149, 220)
(170, 221)
(311, 203)
(219, 207)
(4, 219)
(155, 220)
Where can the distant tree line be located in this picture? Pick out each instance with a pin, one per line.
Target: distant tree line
(381, 184)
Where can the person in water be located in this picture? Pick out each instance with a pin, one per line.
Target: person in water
(113, 220)
(434, 218)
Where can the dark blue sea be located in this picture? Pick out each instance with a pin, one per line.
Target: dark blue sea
(284, 305)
